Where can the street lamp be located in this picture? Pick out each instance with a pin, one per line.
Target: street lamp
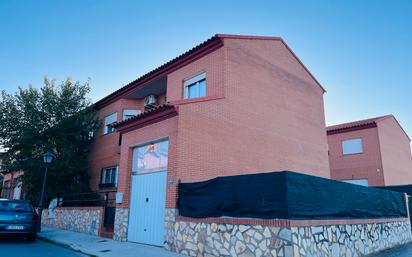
(47, 158)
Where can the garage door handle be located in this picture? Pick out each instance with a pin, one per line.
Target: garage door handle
(147, 199)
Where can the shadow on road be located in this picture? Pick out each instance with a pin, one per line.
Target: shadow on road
(13, 240)
(19, 246)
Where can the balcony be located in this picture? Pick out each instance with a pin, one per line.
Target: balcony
(156, 87)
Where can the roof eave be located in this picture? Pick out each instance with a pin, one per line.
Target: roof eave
(146, 119)
(303, 65)
(352, 128)
(283, 42)
(193, 54)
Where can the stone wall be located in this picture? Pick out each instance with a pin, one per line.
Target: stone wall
(219, 239)
(349, 240)
(79, 219)
(170, 219)
(121, 223)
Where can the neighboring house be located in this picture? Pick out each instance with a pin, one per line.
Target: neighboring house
(374, 152)
(231, 105)
(12, 186)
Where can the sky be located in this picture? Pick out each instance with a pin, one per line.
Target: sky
(360, 51)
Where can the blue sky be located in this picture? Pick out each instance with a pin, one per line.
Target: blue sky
(360, 51)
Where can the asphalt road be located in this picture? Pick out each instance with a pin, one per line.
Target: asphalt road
(22, 248)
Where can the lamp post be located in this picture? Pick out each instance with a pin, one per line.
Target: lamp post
(47, 158)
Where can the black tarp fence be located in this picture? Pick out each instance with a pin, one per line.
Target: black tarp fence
(401, 188)
(286, 195)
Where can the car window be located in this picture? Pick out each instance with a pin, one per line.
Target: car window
(15, 206)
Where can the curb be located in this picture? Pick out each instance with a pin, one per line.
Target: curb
(67, 246)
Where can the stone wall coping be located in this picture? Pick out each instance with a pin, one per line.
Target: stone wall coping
(289, 223)
(78, 208)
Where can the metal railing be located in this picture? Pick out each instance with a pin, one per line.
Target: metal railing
(87, 199)
(106, 199)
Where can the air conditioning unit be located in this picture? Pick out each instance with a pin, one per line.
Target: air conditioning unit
(150, 101)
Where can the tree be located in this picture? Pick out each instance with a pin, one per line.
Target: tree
(53, 118)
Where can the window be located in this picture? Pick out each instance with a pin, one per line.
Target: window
(195, 87)
(151, 158)
(352, 146)
(17, 191)
(109, 177)
(15, 206)
(129, 113)
(108, 120)
(360, 182)
(6, 189)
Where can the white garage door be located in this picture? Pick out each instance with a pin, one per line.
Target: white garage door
(148, 194)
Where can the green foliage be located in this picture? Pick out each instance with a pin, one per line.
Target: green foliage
(56, 118)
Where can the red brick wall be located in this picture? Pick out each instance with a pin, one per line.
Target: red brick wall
(212, 64)
(263, 112)
(11, 177)
(163, 129)
(271, 116)
(105, 149)
(396, 153)
(367, 165)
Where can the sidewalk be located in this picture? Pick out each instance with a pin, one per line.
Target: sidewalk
(97, 246)
(398, 251)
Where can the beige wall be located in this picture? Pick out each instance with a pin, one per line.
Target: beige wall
(396, 153)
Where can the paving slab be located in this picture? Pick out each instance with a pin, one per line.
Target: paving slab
(399, 251)
(101, 247)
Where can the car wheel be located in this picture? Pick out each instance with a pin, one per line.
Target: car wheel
(32, 237)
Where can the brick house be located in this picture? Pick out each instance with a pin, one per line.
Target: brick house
(231, 105)
(374, 152)
(11, 183)
(12, 186)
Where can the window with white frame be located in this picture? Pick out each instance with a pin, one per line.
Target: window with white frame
(129, 113)
(108, 121)
(109, 177)
(195, 87)
(352, 146)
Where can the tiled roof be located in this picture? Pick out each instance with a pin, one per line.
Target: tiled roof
(209, 42)
(361, 124)
(145, 114)
(357, 124)
(207, 46)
